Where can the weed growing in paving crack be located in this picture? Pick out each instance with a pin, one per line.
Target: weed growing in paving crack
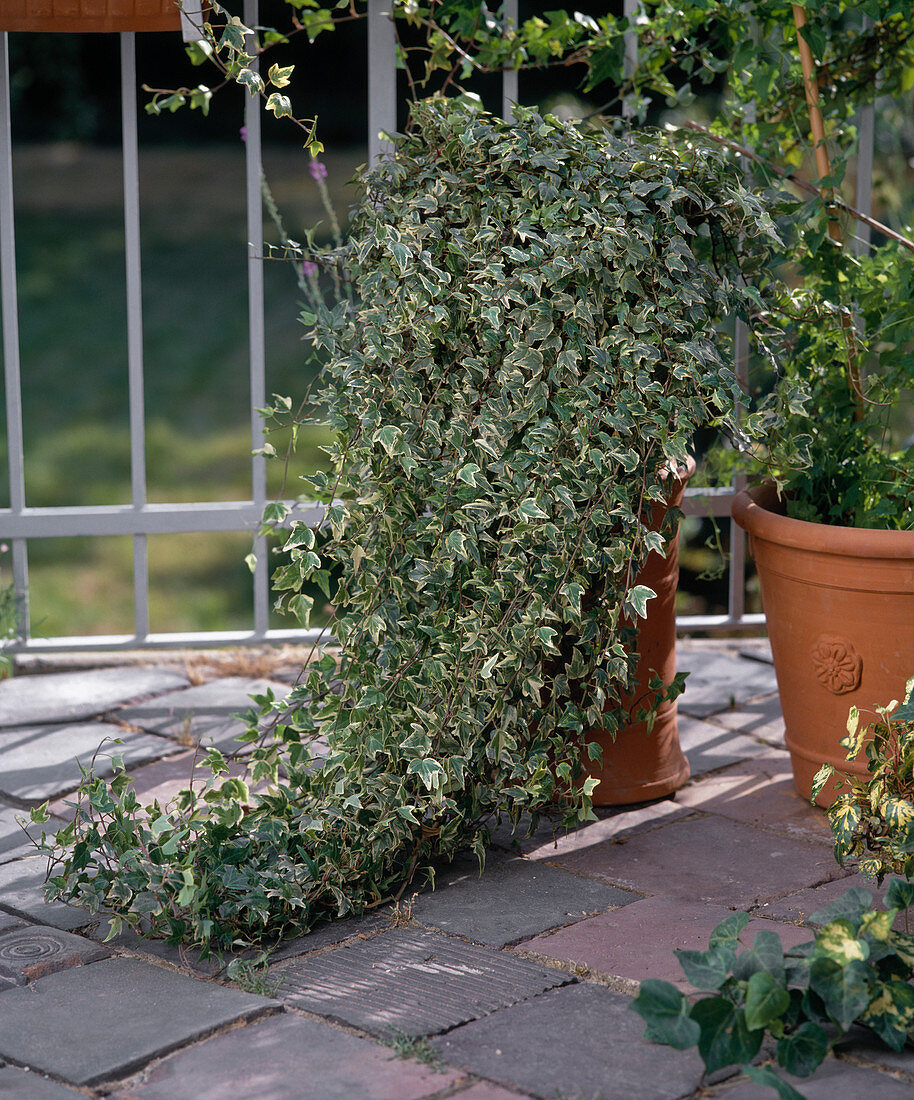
(419, 1050)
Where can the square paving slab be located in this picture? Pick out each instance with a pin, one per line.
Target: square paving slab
(22, 894)
(708, 746)
(834, 1080)
(613, 822)
(33, 952)
(638, 942)
(513, 899)
(581, 1041)
(484, 1090)
(205, 714)
(70, 696)
(284, 1058)
(42, 762)
(758, 791)
(862, 1043)
(801, 905)
(330, 934)
(93, 1023)
(411, 981)
(761, 718)
(709, 859)
(21, 1084)
(720, 681)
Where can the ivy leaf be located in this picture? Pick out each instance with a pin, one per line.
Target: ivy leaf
(429, 771)
(802, 1052)
(635, 603)
(280, 105)
(233, 35)
(706, 969)
(838, 940)
(725, 1039)
(280, 76)
(468, 473)
(765, 1075)
(251, 80)
(843, 987)
(900, 894)
(766, 956)
(766, 1000)
(849, 906)
(665, 1011)
(529, 509)
(890, 1013)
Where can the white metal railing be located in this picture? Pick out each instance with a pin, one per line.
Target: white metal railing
(19, 523)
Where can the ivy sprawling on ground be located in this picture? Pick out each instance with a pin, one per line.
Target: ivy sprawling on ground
(532, 337)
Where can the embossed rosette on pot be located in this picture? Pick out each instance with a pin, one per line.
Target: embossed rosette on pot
(839, 604)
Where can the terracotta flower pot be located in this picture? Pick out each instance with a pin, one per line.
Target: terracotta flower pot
(638, 766)
(839, 603)
(89, 16)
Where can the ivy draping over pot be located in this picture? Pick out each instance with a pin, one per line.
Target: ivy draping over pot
(532, 336)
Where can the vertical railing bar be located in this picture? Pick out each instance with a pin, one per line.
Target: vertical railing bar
(134, 326)
(630, 57)
(10, 314)
(510, 88)
(382, 77)
(253, 156)
(866, 138)
(736, 594)
(736, 597)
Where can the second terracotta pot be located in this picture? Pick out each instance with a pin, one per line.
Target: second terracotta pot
(638, 766)
(839, 605)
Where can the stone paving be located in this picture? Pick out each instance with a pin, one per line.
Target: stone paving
(514, 984)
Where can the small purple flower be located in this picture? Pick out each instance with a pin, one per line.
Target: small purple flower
(309, 269)
(318, 170)
(243, 132)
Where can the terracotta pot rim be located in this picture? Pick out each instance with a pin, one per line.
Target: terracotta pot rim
(759, 512)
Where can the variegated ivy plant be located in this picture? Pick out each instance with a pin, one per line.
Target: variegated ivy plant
(532, 338)
(872, 818)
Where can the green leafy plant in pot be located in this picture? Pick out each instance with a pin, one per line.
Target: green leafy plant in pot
(831, 534)
(529, 344)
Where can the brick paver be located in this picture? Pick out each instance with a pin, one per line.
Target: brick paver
(23, 1084)
(835, 1080)
(71, 696)
(719, 681)
(709, 747)
(41, 762)
(758, 791)
(33, 952)
(287, 1057)
(14, 843)
(638, 942)
(582, 1040)
(411, 981)
(22, 894)
(709, 859)
(761, 718)
(513, 899)
(90, 1023)
(204, 714)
